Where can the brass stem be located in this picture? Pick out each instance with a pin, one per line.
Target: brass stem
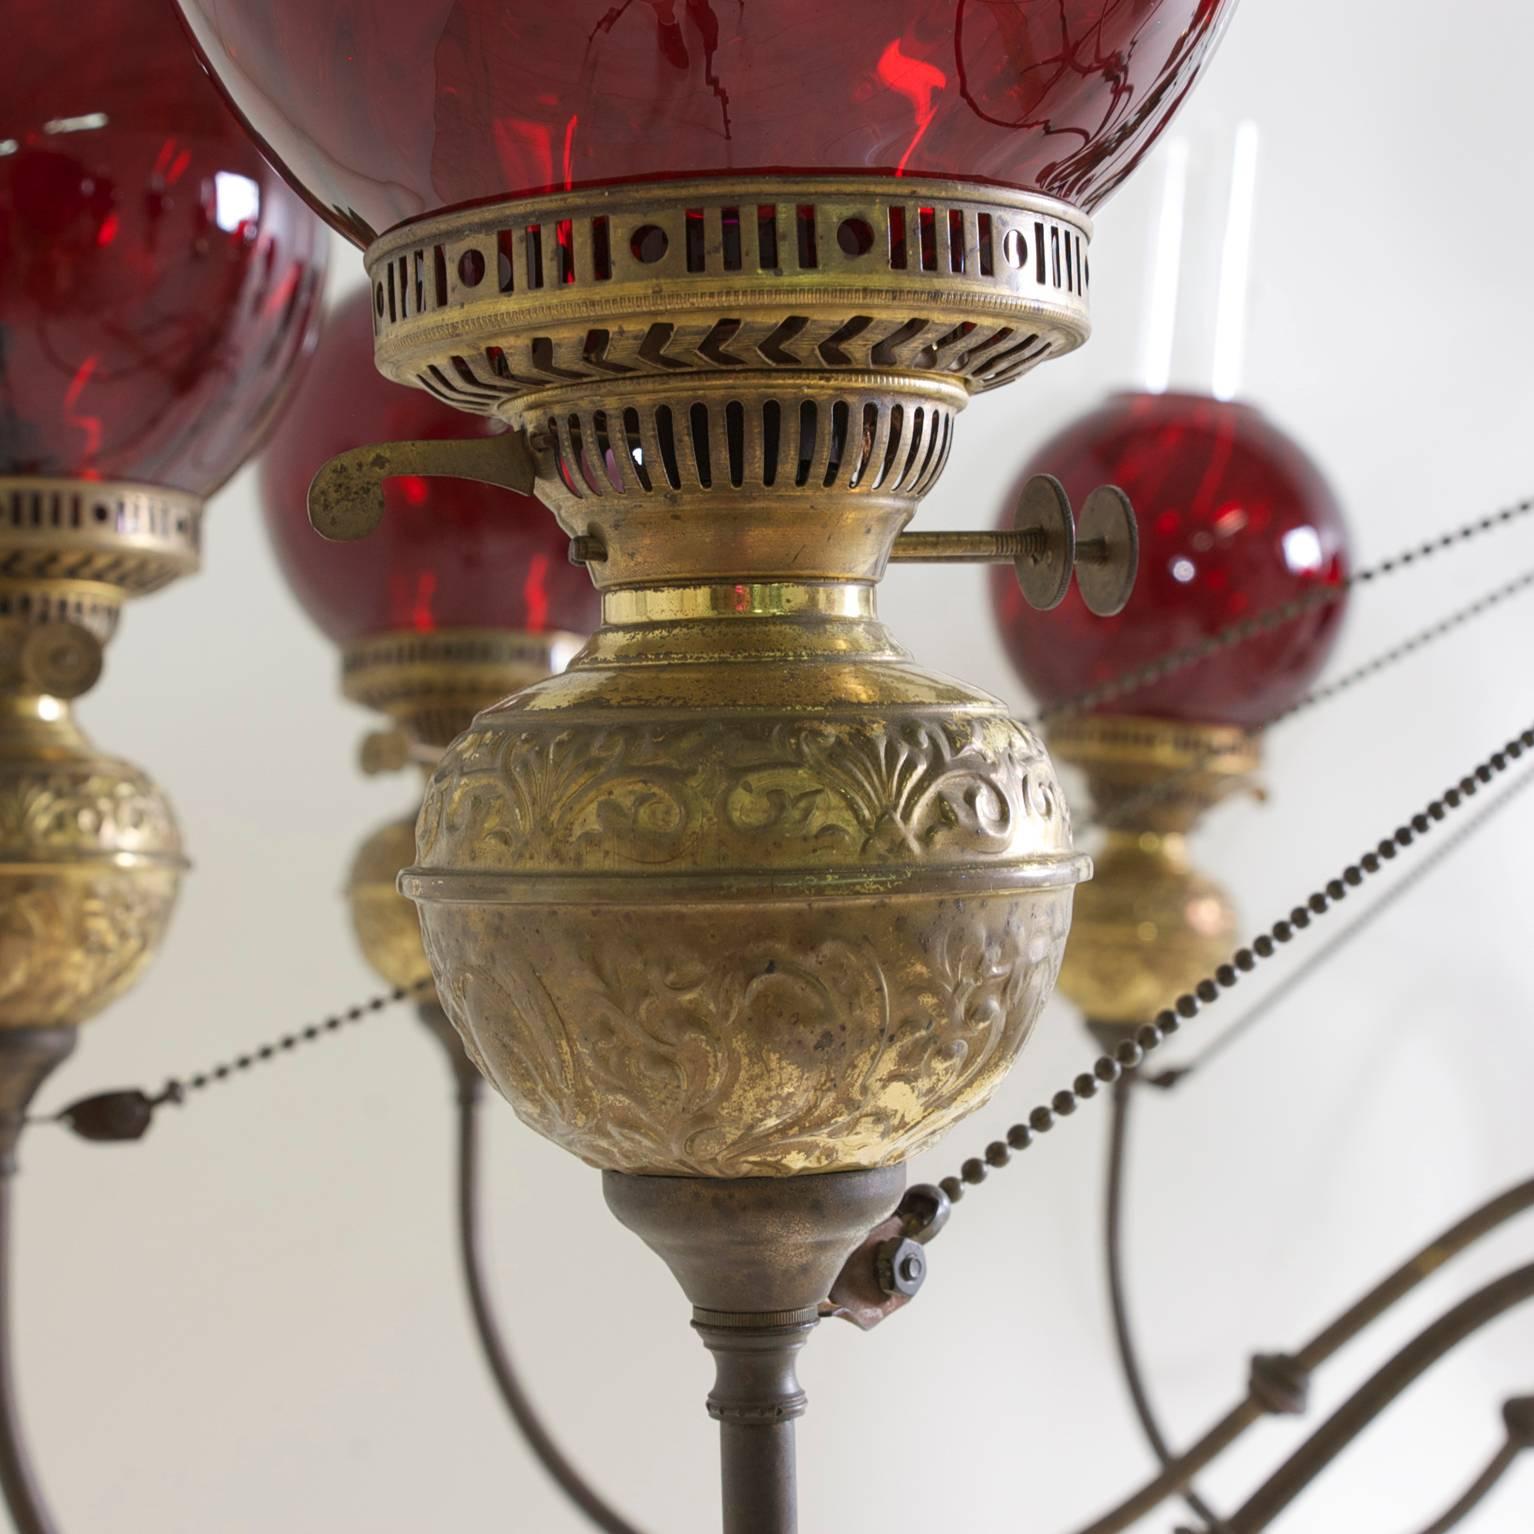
(756, 1400)
(756, 1256)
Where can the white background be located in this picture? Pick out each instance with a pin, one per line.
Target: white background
(251, 1322)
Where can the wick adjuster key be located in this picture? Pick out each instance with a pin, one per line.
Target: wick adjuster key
(1046, 545)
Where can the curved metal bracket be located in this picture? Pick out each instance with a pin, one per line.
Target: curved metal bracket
(1369, 1401)
(27, 1055)
(508, 1381)
(346, 499)
(1423, 1264)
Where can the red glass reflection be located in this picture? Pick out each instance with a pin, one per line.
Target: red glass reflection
(158, 281)
(448, 554)
(1234, 520)
(387, 109)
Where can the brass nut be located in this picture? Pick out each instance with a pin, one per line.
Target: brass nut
(902, 1267)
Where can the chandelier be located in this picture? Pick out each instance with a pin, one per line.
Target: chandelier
(668, 324)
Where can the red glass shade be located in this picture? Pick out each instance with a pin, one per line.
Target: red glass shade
(384, 110)
(449, 553)
(1234, 520)
(158, 282)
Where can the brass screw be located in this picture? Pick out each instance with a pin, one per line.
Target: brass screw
(587, 550)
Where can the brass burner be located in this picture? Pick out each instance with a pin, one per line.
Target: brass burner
(746, 892)
(73, 550)
(1149, 926)
(809, 274)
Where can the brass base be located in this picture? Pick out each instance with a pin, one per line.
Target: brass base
(1149, 926)
(1156, 774)
(431, 685)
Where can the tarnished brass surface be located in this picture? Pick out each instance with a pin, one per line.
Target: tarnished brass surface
(811, 273)
(90, 862)
(745, 895)
(432, 684)
(1149, 926)
(719, 382)
(74, 550)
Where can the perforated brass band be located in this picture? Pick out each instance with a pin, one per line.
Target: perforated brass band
(74, 550)
(866, 273)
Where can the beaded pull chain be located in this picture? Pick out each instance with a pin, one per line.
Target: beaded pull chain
(1132, 1052)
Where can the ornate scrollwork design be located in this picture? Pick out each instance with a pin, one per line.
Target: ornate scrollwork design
(90, 863)
(729, 1040)
(84, 808)
(825, 792)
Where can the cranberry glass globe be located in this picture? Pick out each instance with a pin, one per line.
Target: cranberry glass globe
(1234, 520)
(159, 279)
(384, 110)
(449, 553)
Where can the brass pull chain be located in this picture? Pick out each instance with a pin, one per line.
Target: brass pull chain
(1129, 1055)
(1275, 617)
(1125, 810)
(126, 1114)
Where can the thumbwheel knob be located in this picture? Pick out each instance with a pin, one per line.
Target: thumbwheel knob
(62, 659)
(1047, 542)
(1107, 551)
